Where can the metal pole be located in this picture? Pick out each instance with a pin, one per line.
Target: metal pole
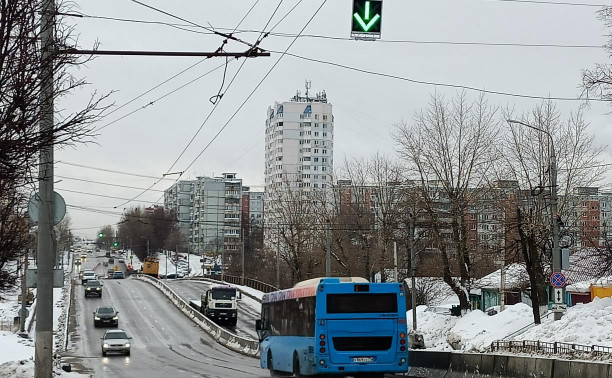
(43, 362)
(278, 257)
(502, 285)
(412, 274)
(556, 251)
(243, 267)
(147, 247)
(188, 258)
(328, 250)
(395, 272)
(176, 263)
(24, 292)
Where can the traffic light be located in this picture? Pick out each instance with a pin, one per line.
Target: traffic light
(100, 235)
(116, 244)
(366, 19)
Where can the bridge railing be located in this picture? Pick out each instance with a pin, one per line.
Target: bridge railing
(237, 280)
(542, 347)
(243, 345)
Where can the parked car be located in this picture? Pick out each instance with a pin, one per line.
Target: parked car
(118, 275)
(116, 340)
(122, 261)
(106, 315)
(174, 275)
(93, 288)
(88, 275)
(109, 272)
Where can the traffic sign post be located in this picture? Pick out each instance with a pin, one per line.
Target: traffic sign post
(557, 280)
(558, 295)
(366, 19)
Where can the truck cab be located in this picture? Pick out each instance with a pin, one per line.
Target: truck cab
(220, 303)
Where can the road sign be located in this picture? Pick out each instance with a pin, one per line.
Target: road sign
(558, 295)
(557, 279)
(366, 19)
(59, 207)
(24, 313)
(558, 307)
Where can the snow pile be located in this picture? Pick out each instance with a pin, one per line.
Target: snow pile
(586, 324)
(25, 369)
(434, 327)
(13, 347)
(476, 330)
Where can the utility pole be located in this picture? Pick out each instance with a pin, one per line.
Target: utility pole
(43, 350)
(412, 273)
(328, 249)
(556, 251)
(395, 272)
(148, 248)
(502, 286)
(242, 252)
(278, 257)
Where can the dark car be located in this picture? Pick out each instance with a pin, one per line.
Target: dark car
(118, 274)
(93, 288)
(106, 315)
(111, 260)
(121, 261)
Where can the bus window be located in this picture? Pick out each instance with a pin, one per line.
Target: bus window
(361, 303)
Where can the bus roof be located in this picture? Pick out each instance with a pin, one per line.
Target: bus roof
(307, 288)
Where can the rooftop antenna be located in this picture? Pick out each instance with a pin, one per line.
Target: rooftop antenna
(308, 86)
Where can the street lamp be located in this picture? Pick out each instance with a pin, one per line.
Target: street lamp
(556, 251)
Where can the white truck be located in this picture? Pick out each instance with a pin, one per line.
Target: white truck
(219, 303)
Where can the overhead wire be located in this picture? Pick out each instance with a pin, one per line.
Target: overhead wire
(215, 104)
(439, 84)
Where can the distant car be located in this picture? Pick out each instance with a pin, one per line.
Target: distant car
(83, 257)
(111, 260)
(118, 275)
(106, 315)
(93, 288)
(174, 275)
(116, 340)
(88, 275)
(109, 272)
(122, 261)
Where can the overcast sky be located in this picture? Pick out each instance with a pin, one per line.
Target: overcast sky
(365, 107)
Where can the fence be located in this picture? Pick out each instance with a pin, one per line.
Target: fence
(542, 347)
(250, 282)
(234, 342)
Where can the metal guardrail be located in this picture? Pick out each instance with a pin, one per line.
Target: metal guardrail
(237, 280)
(542, 347)
(231, 341)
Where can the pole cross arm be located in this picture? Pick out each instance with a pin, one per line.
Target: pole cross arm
(245, 54)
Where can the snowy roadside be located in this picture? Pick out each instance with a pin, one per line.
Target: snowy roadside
(17, 353)
(586, 324)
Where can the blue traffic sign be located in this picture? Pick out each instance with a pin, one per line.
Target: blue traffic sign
(557, 279)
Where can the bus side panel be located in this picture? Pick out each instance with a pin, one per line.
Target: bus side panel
(282, 349)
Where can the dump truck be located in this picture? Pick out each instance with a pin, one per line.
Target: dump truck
(150, 266)
(219, 303)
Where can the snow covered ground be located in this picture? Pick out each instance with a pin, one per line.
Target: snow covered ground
(17, 353)
(586, 324)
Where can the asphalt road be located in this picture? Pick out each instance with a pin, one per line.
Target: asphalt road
(165, 342)
(189, 290)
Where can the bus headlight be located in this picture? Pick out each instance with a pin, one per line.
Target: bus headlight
(403, 360)
(322, 362)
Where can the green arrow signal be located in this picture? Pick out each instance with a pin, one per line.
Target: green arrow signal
(365, 27)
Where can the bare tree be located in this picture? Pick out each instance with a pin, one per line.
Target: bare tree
(448, 151)
(597, 81)
(527, 154)
(21, 76)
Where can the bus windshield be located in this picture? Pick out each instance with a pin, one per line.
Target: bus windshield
(361, 303)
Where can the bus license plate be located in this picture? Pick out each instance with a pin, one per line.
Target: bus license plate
(363, 359)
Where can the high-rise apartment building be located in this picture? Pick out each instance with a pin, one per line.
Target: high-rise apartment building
(177, 198)
(215, 214)
(299, 152)
(300, 143)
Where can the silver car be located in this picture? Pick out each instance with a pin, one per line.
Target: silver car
(116, 340)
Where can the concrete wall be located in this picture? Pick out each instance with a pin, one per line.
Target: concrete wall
(472, 365)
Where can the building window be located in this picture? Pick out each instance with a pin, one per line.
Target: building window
(316, 116)
(324, 134)
(324, 117)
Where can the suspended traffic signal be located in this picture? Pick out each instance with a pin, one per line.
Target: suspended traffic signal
(366, 19)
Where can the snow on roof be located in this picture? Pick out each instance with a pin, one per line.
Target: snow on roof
(516, 277)
(584, 264)
(585, 286)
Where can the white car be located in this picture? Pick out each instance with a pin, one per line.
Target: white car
(88, 275)
(116, 340)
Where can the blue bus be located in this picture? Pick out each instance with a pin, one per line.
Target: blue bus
(334, 326)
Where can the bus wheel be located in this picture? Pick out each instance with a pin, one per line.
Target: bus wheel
(296, 366)
(273, 373)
